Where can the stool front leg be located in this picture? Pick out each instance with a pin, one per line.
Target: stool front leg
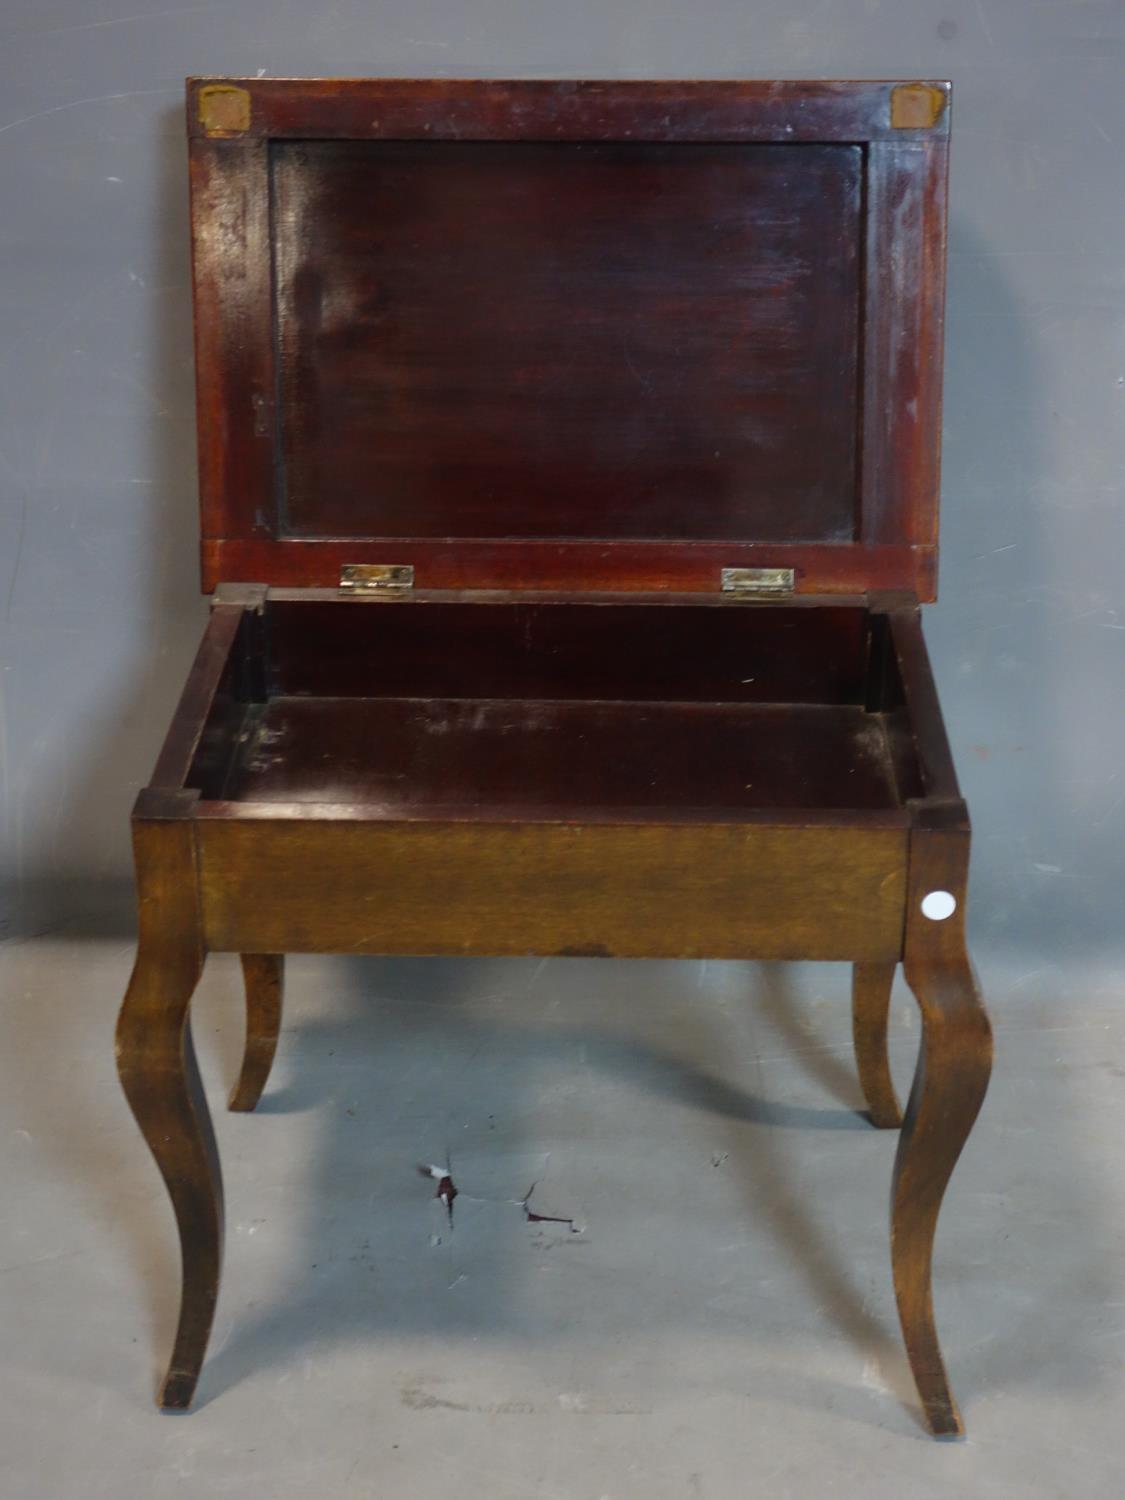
(160, 1077)
(264, 977)
(871, 1001)
(954, 1065)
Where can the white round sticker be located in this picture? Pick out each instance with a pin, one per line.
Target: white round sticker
(938, 905)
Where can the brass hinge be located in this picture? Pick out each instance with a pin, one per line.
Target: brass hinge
(758, 583)
(376, 578)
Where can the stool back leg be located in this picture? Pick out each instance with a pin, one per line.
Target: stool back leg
(871, 1001)
(264, 976)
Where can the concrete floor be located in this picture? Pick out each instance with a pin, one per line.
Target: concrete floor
(718, 1323)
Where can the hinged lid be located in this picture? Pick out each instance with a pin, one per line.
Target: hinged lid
(570, 335)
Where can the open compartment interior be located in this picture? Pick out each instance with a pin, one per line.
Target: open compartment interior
(558, 706)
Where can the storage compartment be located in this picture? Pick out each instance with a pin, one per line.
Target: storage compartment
(558, 707)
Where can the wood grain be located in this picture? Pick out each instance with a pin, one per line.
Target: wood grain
(677, 891)
(234, 350)
(922, 711)
(559, 335)
(871, 998)
(419, 755)
(610, 566)
(160, 1077)
(954, 1064)
(206, 700)
(701, 385)
(264, 976)
(567, 109)
(569, 647)
(903, 302)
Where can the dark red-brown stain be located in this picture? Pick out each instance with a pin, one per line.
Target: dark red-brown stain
(568, 340)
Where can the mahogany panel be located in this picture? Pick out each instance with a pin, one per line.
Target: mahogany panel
(567, 340)
(921, 715)
(426, 753)
(903, 335)
(623, 567)
(562, 109)
(209, 712)
(234, 368)
(527, 648)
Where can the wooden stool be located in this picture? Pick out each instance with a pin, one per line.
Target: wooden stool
(581, 440)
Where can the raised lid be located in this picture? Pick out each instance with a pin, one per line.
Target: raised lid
(561, 335)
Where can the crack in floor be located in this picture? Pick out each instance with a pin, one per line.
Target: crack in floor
(447, 1192)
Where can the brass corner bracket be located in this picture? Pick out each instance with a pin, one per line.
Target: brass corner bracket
(916, 106)
(224, 109)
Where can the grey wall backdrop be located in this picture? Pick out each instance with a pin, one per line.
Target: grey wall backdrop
(99, 603)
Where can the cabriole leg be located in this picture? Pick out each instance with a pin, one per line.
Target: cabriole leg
(157, 1066)
(954, 1064)
(871, 1000)
(264, 975)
